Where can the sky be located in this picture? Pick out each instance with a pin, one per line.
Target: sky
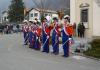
(5, 3)
(56, 4)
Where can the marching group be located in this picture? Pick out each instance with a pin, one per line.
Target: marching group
(38, 37)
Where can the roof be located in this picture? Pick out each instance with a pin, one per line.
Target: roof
(44, 10)
(4, 12)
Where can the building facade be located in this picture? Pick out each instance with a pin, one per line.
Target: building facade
(36, 13)
(4, 17)
(88, 12)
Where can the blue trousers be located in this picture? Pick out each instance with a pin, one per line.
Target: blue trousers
(45, 43)
(26, 36)
(31, 39)
(65, 44)
(55, 42)
(37, 43)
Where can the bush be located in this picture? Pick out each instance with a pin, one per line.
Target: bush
(95, 50)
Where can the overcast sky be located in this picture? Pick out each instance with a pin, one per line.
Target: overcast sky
(29, 3)
(5, 3)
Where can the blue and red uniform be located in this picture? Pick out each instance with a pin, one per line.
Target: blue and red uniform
(37, 39)
(33, 39)
(65, 41)
(25, 32)
(45, 37)
(31, 36)
(55, 38)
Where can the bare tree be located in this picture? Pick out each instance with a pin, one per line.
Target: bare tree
(42, 5)
(57, 5)
(52, 4)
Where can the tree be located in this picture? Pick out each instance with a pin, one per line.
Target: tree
(65, 7)
(60, 14)
(43, 5)
(62, 6)
(16, 11)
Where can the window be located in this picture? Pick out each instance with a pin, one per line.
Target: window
(84, 15)
(31, 15)
(4, 18)
(7, 18)
(45, 14)
(50, 15)
(35, 14)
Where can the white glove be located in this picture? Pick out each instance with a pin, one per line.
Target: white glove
(47, 36)
(36, 37)
(70, 39)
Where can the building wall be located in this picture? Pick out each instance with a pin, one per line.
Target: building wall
(54, 15)
(72, 11)
(49, 13)
(4, 17)
(76, 15)
(96, 18)
(31, 18)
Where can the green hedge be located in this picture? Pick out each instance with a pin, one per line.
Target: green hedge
(95, 50)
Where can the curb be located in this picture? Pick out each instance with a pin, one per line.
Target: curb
(81, 54)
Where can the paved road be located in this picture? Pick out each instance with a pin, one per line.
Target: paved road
(15, 56)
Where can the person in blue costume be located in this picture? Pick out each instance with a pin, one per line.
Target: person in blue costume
(65, 38)
(45, 36)
(32, 38)
(55, 36)
(25, 32)
(31, 34)
(37, 36)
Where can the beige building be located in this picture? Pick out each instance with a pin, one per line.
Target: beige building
(36, 13)
(88, 12)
